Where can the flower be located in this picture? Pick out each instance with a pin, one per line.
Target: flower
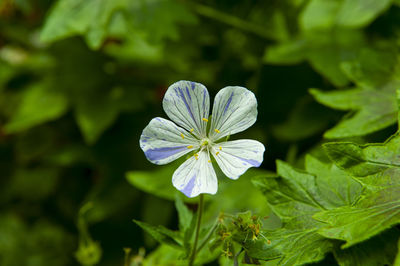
(187, 103)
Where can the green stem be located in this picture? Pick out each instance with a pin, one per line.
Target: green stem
(197, 233)
(233, 21)
(207, 238)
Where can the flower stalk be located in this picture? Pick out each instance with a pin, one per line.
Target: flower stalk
(197, 232)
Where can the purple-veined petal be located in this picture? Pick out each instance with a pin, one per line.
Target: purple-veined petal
(162, 141)
(235, 157)
(187, 103)
(234, 110)
(196, 175)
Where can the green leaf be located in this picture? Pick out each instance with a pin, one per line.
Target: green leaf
(372, 104)
(295, 197)
(165, 255)
(325, 51)
(359, 13)
(374, 213)
(93, 19)
(398, 103)
(184, 214)
(377, 251)
(323, 14)
(71, 17)
(372, 110)
(39, 103)
(374, 68)
(397, 260)
(158, 182)
(319, 14)
(376, 165)
(162, 234)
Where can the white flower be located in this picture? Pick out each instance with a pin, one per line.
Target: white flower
(187, 104)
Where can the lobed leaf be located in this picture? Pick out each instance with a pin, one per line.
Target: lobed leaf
(376, 165)
(295, 197)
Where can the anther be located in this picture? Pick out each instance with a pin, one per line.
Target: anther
(190, 146)
(205, 119)
(217, 153)
(216, 130)
(191, 130)
(182, 136)
(209, 161)
(220, 148)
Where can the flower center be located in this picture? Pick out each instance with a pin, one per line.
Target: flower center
(205, 142)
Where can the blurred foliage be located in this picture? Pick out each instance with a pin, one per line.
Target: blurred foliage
(79, 80)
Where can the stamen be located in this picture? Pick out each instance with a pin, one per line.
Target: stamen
(196, 156)
(220, 148)
(216, 130)
(205, 119)
(190, 146)
(182, 136)
(209, 161)
(191, 130)
(217, 153)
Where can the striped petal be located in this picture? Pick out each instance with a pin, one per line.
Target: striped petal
(196, 175)
(235, 157)
(162, 141)
(234, 110)
(187, 103)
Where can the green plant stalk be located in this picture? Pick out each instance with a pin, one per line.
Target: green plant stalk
(198, 224)
(209, 235)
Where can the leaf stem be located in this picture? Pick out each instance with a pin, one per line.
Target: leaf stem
(197, 233)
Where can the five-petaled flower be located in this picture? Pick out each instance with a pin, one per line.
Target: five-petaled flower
(187, 104)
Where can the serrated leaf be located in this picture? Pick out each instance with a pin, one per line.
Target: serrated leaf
(376, 165)
(372, 110)
(295, 197)
(374, 213)
(162, 234)
(39, 103)
(372, 103)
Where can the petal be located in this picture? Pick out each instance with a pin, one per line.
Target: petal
(234, 110)
(187, 103)
(235, 157)
(162, 141)
(195, 176)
